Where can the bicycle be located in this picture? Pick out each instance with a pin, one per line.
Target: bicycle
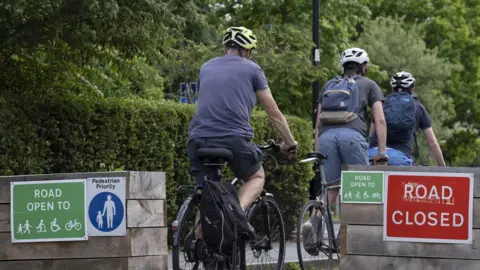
(195, 251)
(70, 225)
(320, 223)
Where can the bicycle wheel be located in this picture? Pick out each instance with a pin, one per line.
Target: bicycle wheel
(184, 249)
(266, 218)
(316, 241)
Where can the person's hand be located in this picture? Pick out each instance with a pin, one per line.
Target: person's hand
(380, 159)
(289, 148)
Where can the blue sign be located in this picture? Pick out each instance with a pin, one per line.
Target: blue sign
(106, 211)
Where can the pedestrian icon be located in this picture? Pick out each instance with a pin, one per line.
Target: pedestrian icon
(99, 220)
(27, 227)
(20, 228)
(110, 208)
(106, 212)
(41, 227)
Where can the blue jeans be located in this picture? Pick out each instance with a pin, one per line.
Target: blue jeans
(343, 146)
(395, 157)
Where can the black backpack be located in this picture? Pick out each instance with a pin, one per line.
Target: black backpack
(220, 211)
(399, 109)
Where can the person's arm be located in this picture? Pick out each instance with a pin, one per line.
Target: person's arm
(372, 129)
(434, 146)
(275, 116)
(380, 126)
(318, 124)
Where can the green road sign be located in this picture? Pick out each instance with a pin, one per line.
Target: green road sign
(48, 211)
(362, 187)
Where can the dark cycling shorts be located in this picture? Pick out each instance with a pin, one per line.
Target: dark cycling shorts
(246, 156)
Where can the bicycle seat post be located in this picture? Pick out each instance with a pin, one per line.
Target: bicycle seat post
(214, 159)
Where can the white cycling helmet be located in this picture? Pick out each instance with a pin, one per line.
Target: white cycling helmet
(356, 55)
(403, 80)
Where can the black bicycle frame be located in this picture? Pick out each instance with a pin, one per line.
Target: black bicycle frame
(324, 190)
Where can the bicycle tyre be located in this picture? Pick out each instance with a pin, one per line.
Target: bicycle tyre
(183, 213)
(299, 237)
(271, 203)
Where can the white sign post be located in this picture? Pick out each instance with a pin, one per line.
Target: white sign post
(106, 206)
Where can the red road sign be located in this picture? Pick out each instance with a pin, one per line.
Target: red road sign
(428, 207)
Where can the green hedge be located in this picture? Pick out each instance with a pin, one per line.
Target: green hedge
(72, 134)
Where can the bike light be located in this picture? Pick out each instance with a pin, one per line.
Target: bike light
(175, 225)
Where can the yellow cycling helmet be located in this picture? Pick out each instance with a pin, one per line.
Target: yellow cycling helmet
(241, 36)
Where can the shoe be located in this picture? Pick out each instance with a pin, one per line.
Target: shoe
(309, 235)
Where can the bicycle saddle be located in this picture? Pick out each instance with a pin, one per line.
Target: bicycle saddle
(215, 153)
(318, 155)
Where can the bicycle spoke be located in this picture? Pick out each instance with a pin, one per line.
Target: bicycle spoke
(260, 255)
(314, 239)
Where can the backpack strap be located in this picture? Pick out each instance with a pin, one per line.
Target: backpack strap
(415, 133)
(416, 144)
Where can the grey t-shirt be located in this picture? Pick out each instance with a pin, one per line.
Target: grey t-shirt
(369, 94)
(227, 87)
(404, 141)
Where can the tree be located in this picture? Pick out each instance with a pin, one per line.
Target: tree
(451, 26)
(285, 43)
(106, 47)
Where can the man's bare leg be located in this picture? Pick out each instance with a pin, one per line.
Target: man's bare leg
(198, 228)
(332, 198)
(251, 189)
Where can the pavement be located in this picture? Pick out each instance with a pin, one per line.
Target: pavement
(290, 251)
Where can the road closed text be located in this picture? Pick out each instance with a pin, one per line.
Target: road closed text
(430, 219)
(433, 194)
(428, 207)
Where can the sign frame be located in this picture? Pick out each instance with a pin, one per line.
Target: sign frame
(430, 240)
(363, 202)
(12, 223)
(121, 230)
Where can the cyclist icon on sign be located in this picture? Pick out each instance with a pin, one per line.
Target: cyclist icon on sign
(73, 224)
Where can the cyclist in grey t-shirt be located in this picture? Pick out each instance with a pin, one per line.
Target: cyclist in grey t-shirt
(229, 87)
(346, 144)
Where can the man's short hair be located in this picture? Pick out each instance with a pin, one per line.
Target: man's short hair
(352, 67)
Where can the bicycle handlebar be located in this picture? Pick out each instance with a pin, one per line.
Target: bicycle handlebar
(270, 145)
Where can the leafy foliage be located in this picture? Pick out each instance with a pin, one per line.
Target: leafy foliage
(451, 27)
(71, 134)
